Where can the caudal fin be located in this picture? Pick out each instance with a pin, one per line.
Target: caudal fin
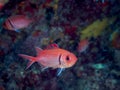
(30, 58)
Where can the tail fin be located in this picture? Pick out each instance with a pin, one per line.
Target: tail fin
(30, 58)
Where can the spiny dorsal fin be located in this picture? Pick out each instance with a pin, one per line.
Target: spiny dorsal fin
(38, 50)
(51, 46)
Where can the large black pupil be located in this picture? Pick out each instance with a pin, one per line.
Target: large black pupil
(67, 58)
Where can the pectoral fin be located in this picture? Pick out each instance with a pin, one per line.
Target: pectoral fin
(16, 30)
(59, 71)
(38, 50)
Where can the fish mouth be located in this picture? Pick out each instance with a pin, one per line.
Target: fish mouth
(73, 61)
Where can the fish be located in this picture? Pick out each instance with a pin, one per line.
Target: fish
(14, 23)
(83, 45)
(114, 39)
(54, 57)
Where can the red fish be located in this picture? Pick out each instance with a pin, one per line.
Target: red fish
(17, 22)
(54, 58)
(115, 39)
(83, 45)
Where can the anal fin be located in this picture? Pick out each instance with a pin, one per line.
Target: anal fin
(38, 50)
(43, 67)
(29, 64)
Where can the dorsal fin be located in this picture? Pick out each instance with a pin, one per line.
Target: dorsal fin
(51, 46)
(38, 50)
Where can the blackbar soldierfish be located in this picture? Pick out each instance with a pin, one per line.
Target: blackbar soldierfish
(54, 58)
(17, 22)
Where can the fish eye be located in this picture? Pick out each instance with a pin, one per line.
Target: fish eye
(67, 58)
